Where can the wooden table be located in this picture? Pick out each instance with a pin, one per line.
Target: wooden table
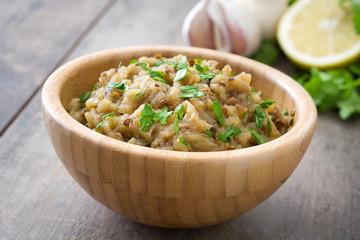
(39, 199)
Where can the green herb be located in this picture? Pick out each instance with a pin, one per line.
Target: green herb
(259, 117)
(248, 97)
(134, 61)
(180, 75)
(191, 92)
(199, 60)
(285, 112)
(199, 68)
(268, 127)
(229, 132)
(162, 116)
(84, 97)
(257, 136)
(206, 67)
(221, 72)
(266, 103)
(231, 74)
(208, 133)
(137, 96)
(183, 60)
(119, 64)
(144, 66)
(179, 113)
(244, 115)
(103, 120)
(253, 90)
(146, 118)
(157, 76)
(162, 61)
(291, 2)
(184, 142)
(335, 89)
(217, 108)
(355, 6)
(118, 85)
(268, 53)
(206, 75)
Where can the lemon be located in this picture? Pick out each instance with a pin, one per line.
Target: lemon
(319, 33)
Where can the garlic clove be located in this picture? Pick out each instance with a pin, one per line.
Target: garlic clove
(225, 25)
(197, 27)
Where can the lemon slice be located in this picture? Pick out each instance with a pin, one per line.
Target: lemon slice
(319, 33)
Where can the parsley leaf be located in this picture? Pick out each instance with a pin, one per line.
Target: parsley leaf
(134, 61)
(179, 113)
(138, 95)
(257, 136)
(244, 115)
(208, 133)
(184, 142)
(162, 116)
(268, 53)
(268, 127)
(266, 103)
(199, 68)
(180, 74)
(259, 117)
(85, 96)
(206, 75)
(159, 63)
(285, 112)
(118, 85)
(217, 108)
(144, 66)
(146, 118)
(120, 63)
(229, 132)
(199, 60)
(157, 76)
(103, 120)
(190, 92)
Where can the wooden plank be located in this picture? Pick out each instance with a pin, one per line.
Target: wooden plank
(39, 199)
(35, 36)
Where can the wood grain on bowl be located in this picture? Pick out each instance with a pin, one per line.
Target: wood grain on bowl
(168, 188)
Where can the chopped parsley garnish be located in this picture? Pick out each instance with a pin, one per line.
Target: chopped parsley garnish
(157, 76)
(257, 136)
(248, 97)
(118, 85)
(184, 142)
(103, 120)
(268, 127)
(179, 113)
(191, 92)
(221, 72)
(148, 117)
(285, 112)
(180, 74)
(134, 61)
(199, 68)
(259, 117)
(199, 60)
(244, 115)
(84, 97)
(120, 63)
(217, 108)
(266, 103)
(206, 75)
(229, 132)
(137, 96)
(144, 66)
(208, 133)
(159, 63)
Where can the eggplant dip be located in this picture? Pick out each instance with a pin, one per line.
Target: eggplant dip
(180, 104)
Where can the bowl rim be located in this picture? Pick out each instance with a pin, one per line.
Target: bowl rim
(303, 126)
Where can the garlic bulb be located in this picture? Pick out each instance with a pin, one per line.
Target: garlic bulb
(236, 26)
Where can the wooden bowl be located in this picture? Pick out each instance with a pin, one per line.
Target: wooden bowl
(169, 188)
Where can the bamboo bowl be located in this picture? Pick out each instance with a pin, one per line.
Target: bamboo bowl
(169, 188)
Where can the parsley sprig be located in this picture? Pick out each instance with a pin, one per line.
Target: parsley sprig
(148, 117)
(257, 136)
(182, 68)
(179, 113)
(84, 97)
(118, 85)
(103, 120)
(204, 75)
(191, 92)
(259, 117)
(229, 132)
(156, 75)
(217, 108)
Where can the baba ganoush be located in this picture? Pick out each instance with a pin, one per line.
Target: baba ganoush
(180, 104)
